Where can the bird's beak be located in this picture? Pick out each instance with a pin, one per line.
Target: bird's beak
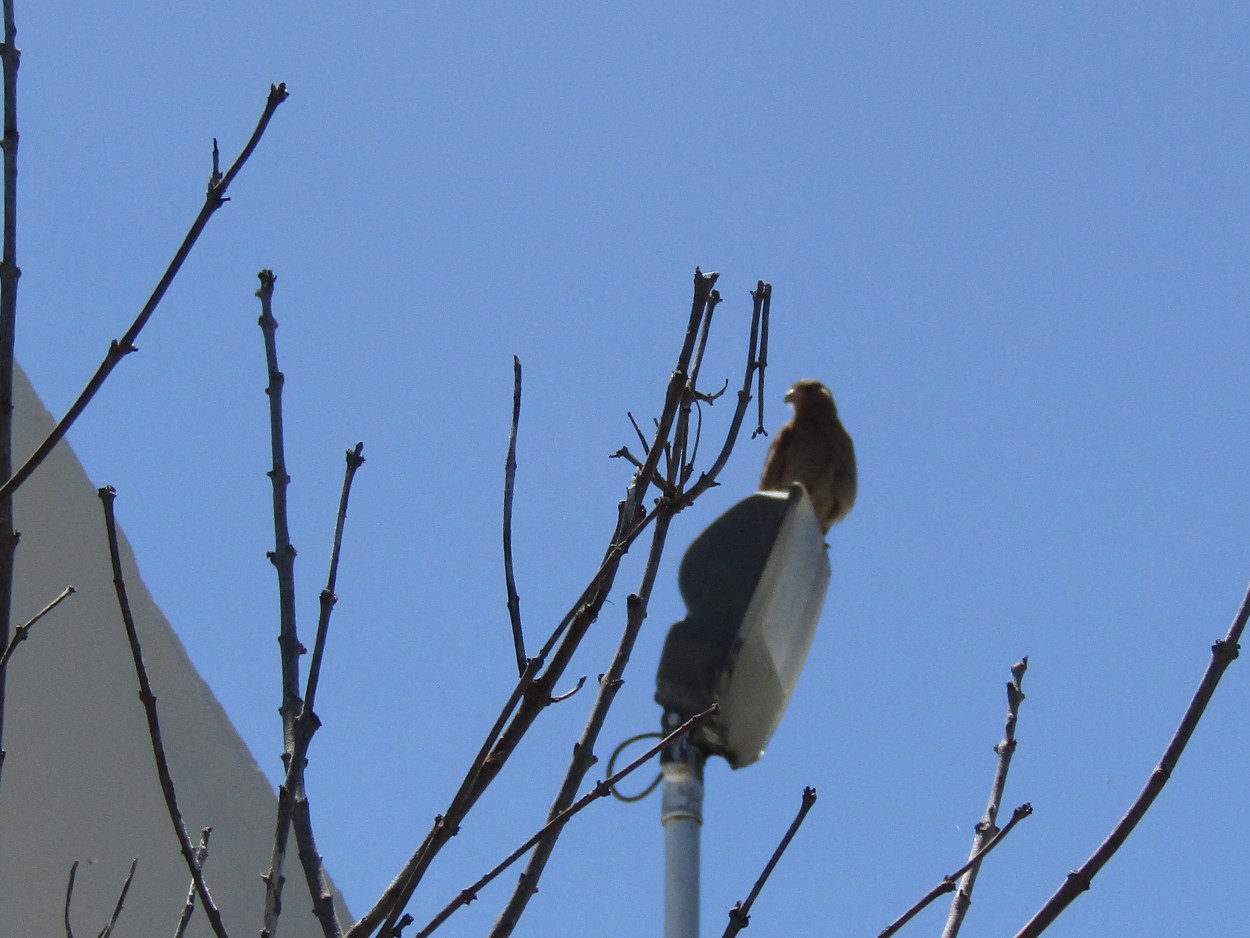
(790, 396)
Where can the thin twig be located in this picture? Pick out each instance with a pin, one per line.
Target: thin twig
(107, 930)
(355, 459)
(765, 291)
(509, 489)
(637, 429)
(308, 723)
(299, 720)
(740, 914)
(560, 698)
(22, 631)
(283, 554)
(283, 559)
(625, 454)
(682, 456)
(657, 480)
(949, 881)
(986, 828)
(759, 319)
(120, 348)
(10, 59)
(69, 898)
(201, 855)
(107, 496)
(1223, 652)
(600, 790)
(696, 364)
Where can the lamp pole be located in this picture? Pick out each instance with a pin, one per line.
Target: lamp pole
(681, 814)
(753, 582)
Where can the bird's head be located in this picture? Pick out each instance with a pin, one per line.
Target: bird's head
(810, 396)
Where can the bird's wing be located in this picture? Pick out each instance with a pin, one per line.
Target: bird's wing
(775, 474)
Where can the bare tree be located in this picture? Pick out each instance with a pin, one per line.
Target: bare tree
(672, 469)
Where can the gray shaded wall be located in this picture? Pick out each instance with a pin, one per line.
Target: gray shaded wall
(79, 781)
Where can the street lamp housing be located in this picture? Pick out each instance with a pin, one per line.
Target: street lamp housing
(754, 583)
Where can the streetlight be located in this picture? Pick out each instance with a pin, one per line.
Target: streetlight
(754, 583)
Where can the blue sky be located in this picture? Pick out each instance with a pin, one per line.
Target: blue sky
(1011, 238)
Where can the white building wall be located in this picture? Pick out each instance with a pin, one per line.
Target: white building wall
(79, 781)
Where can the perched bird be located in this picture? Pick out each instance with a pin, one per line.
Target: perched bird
(815, 449)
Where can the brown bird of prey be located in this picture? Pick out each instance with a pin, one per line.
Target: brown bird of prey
(815, 449)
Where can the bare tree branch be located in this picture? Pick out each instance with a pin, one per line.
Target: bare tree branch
(314, 869)
(765, 291)
(705, 329)
(682, 457)
(69, 898)
(201, 854)
(308, 723)
(560, 698)
(948, 882)
(442, 831)
(299, 720)
(740, 914)
(600, 790)
(283, 554)
(671, 439)
(534, 690)
(509, 490)
(107, 930)
(755, 366)
(355, 459)
(10, 58)
(107, 496)
(583, 750)
(283, 559)
(1223, 653)
(22, 631)
(987, 827)
(120, 348)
